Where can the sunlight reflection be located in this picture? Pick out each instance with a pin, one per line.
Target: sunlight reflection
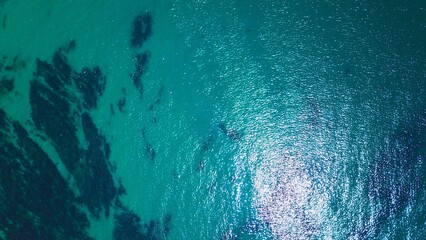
(287, 199)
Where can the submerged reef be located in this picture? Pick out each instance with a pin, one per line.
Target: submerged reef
(58, 112)
(35, 201)
(141, 61)
(91, 83)
(122, 102)
(141, 30)
(6, 85)
(129, 227)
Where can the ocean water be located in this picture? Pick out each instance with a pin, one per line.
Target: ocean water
(190, 119)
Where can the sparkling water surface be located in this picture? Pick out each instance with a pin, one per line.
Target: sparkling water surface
(251, 120)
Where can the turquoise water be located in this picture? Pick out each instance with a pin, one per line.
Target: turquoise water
(257, 120)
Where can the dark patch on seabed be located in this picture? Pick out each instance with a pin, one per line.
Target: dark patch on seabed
(229, 132)
(129, 226)
(142, 29)
(9, 70)
(141, 61)
(122, 102)
(6, 85)
(16, 65)
(149, 149)
(58, 112)
(157, 100)
(36, 201)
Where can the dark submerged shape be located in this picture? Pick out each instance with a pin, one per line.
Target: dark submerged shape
(142, 29)
(58, 113)
(149, 150)
(6, 85)
(157, 101)
(35, 200)
(128, 226)
(207, 144)
(99, 187)
(231, 133)
(16, 65)
(141, 61)
(91, 83)
(121, 104)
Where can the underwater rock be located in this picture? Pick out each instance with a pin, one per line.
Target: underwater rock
(35, 201)
(128, 226)
(150, 152)
(121, 104)
(157, 100)
(167, 222)
(6, 85)
(70, 47)
(51, 114)
(207, 144)
(121, 190)
(16, 65)
(56, 111)
(98, 189)
(91, 83)
(151, 107)
(231, 133)
(141, 61)
(142, 29)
